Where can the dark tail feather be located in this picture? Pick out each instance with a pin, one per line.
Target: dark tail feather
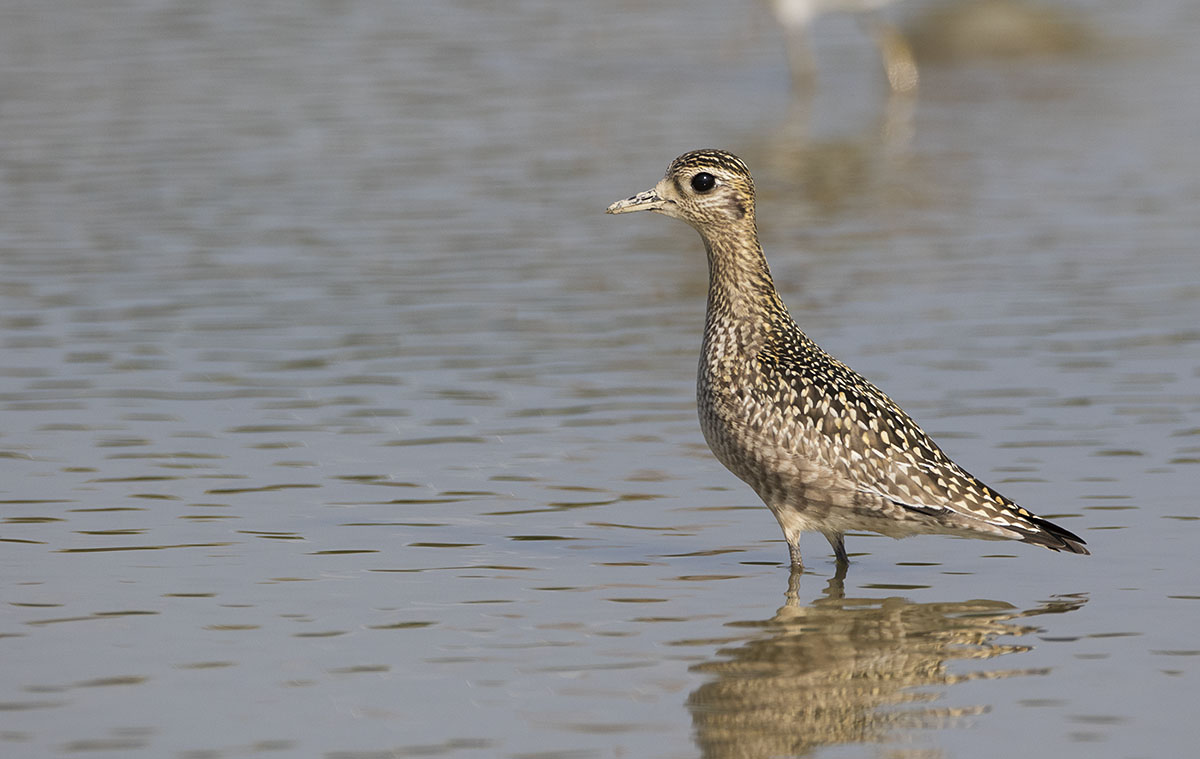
(1055, 538)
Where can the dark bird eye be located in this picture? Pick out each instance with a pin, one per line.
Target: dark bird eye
(703, 182)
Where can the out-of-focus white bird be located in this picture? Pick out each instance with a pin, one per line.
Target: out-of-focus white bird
(796, 17)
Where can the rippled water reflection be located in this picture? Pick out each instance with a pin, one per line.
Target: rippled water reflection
(336, 419)
(853, 670)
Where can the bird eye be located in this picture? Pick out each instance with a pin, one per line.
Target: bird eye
(703, 182)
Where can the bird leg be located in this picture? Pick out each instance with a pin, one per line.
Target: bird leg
(899, 63)
(794, 552)
(837, 540)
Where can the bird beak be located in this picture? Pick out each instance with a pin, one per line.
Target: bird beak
(649, 200)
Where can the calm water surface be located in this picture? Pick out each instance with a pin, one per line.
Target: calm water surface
(337, 420)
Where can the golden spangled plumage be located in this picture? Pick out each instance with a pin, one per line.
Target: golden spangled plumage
(824, 448)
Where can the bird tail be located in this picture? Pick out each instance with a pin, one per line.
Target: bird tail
(1055, 538)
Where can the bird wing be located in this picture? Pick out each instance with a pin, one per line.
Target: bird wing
(862, 434)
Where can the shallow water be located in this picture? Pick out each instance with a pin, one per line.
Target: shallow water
(336, 419)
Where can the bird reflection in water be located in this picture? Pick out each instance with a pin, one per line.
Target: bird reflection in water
(850, 670)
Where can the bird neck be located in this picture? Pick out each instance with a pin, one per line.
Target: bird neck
(739, 281)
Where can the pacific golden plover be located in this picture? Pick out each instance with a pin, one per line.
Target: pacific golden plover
(824, 448)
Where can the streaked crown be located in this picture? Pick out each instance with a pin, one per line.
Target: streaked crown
(710, 187)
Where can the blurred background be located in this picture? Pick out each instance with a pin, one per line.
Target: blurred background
(337, 419)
